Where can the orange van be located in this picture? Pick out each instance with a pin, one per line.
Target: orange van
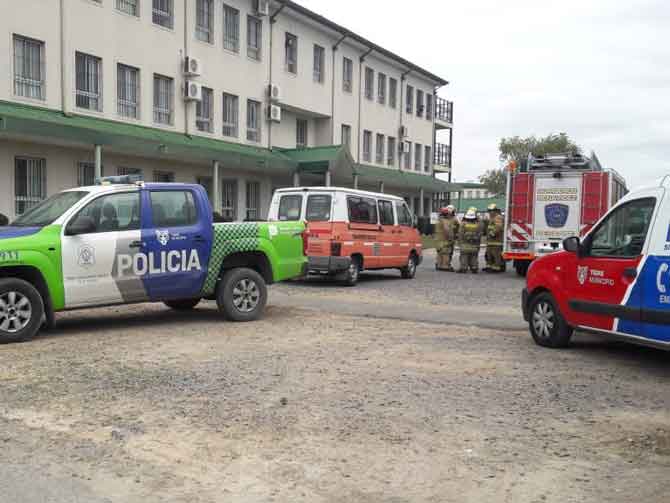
(349, 231)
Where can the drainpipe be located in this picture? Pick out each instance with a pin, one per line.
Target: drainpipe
(271, 61)
(63, 59)
(98, 162)
(360, 101)
(216, 184)
(332, 104)
(401, 105)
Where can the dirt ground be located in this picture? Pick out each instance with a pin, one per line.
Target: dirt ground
(154, 406)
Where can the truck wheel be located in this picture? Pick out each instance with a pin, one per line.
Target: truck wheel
(521, 267)
(21, 311)
(409, 271)
(182, 304)
(353, 272)
(242, 295)
(547, 325)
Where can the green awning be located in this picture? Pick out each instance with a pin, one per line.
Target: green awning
(482, 205)
(403, 179)
(321, 159)
(135, 139)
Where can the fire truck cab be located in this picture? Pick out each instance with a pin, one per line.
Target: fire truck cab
(552, 198)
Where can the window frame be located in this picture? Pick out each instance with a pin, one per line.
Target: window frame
(409, 100)
(26, 81)
(298, 197)
(380, 148)
(330, 207)
(82, 167)
(88, 94)
(231, 28)
(393, 92)
(372, 203)
(253, 201)
(381, 88)
(291, 53)
(427, 156)
(367, 146)
(255, 52)
(402, 205)
(369, 87)
(420, 103)
(205, 123)
(122, 6)
(347, 75)
(319, 61)
(381, 202)
(94, 200)
(162, 13)
(418, 157)
(191, 223)
(157, 174)
(347, 143)
(204, 33)
(158, 111)
(301, 133)
(229, 202)
(391, 146)
(231, 127)
(30, 198)
(254, 132)
(123, 104)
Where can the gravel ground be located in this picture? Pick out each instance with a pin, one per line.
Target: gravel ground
(154, 406)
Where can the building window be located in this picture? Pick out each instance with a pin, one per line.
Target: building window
(419, 103)
(29, 75)
(131, 7)
(379, 149)
(89, 81)
(369, 83)
(391, 151)
(254, 37)
(429, 107)
(291, 53)
(128, 91)
(163, 13)
(85, 174)
(381, 89)
(253, 121)
(30, 183)
(408, 155)
(206, 183)
(346, 135)
(410, 100)
(231, 28)
(229, 200)
(230, 115)
(123, 171)
(253, 201)
(417, 157)
(367, 146)
(163, 177)
(393, 93)
(204, 21)
(163, 100)
(347, 75)
(204, 111)
(301, 133)
(427, 159)
(319, 63)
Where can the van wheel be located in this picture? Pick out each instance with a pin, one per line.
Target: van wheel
(21, 311)
(182, 304)
(521, 267)
(352, 274)
(242, 295)
(547, 325)
(409, 271)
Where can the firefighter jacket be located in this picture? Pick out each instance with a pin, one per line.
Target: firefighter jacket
(495, 231)
(470, 236)
(446, 230)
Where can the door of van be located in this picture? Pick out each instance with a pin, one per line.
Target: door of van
(389, 235)
(319, 217)
(364, 228)
(602, 281)
(406, 233)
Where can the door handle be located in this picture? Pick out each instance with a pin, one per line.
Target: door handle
(630, 273)
(136, 244)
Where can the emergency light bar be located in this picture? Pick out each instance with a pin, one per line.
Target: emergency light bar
(119, 180)
(559, 161)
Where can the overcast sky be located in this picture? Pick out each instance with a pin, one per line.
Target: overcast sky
(598, 70)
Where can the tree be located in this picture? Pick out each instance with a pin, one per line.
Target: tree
(517, 148)
(495, 181)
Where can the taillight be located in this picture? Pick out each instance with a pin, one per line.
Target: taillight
(335, 249)
(305, 237)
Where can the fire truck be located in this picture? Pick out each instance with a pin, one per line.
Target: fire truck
(554, 197)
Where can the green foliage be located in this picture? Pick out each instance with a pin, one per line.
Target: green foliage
(517, 148)
(495, 181)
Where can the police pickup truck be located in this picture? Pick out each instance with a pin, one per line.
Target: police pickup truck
(125, 242)
(614, 282)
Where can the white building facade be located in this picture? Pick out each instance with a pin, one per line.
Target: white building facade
(243, 96)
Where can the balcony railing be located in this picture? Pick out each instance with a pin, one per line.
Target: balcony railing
(444, 110)
(442, 155)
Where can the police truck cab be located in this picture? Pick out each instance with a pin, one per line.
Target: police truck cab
(615, 281)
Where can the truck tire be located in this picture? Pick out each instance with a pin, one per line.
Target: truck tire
(242, 295)
(521, 267)
(547, 325)
(21, 311)
(409, 271)
(182, 304)
(352, 274)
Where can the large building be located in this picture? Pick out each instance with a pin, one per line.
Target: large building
(243, 96)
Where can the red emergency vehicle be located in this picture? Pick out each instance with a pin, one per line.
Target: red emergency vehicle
(555, 197)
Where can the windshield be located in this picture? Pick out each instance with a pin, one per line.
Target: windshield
(48, 211)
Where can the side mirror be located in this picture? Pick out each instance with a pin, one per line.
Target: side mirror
(82, 225)
(571, 245)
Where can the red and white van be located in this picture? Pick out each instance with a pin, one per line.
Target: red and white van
(349, 231)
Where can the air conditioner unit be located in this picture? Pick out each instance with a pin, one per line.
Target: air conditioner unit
(192, 67)
(262, 7)
(406, 147)
(403, 132)
(274, 92)
(192, 91)
(274, 113)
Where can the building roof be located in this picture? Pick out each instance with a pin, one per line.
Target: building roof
(361, 40)
(407, 179)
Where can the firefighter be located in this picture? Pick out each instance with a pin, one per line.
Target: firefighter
(470, 239)
(495, 229)
(446, 232)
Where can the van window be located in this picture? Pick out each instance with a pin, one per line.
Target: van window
(290, 208)
(386, 213)
(318, 208)
(624, 231)
(404, 216)
(362, 210)
(173, 208)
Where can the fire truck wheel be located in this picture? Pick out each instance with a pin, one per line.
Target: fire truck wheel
(547, 325)
(521, 267)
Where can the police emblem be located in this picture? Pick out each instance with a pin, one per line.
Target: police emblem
(86, 256)
(582, 274)
(163, 237)
(556, 215)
